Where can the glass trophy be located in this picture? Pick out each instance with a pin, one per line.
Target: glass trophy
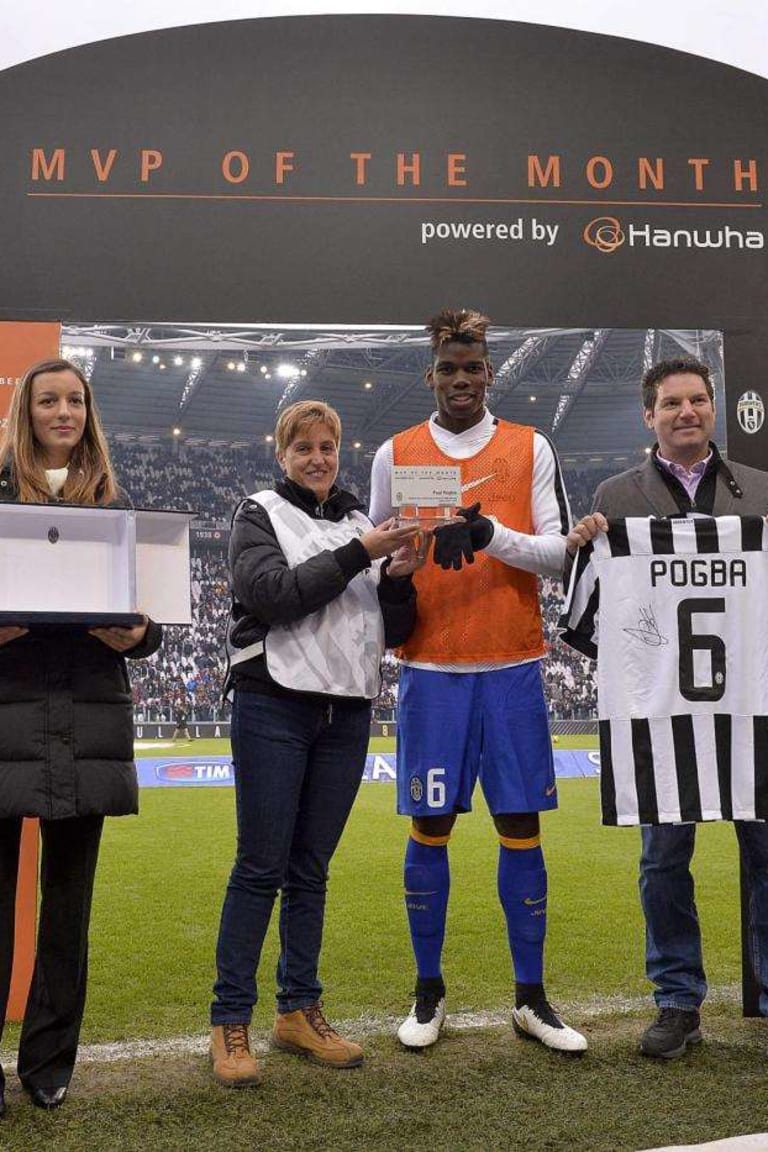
(427, 496)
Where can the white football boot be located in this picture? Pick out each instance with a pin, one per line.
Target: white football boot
(421, 1027)
(539, 1021)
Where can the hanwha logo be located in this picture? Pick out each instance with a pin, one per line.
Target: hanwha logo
(604, 233)
(750, 412)
(417, 789)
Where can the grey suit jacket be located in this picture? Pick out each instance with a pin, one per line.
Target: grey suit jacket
(641, 491)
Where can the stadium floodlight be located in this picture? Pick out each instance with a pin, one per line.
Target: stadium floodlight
(288, 371)
(241, 366)
(230, 366)
(263, 369)
(532, 399)
(196, 362)
(357, 444)
(137, 357)
(178, 361)
(367, 385)
(155, 359)
(269, 438)
(177, 431)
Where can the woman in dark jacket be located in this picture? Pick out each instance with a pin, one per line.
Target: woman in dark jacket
(66, 730)
(314, 603)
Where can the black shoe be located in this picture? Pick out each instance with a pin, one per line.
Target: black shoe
(671, 1033)
(47, 1098)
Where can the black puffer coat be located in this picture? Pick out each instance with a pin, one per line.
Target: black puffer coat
(66, 722)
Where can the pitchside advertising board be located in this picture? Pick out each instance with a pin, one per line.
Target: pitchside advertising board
(369, 169)
(217, 771)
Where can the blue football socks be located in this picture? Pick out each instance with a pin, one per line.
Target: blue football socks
(427, 881)
(522, 884)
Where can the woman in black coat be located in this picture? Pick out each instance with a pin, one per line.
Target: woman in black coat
(317, 594)
(66, 730)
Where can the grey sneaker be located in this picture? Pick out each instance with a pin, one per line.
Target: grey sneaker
(671, 1033)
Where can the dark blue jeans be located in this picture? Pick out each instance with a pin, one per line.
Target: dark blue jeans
(673, 958)
(298, 766)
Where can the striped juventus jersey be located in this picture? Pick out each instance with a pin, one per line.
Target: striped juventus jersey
(676, 614)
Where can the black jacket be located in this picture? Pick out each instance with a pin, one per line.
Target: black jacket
(66, 721)
(265, 591)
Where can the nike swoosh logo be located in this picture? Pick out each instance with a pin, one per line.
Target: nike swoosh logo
(475, 483)
(550, 791)
(540, 900)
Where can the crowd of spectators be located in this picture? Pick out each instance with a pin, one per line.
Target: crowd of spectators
(183, 682)
(198, 478)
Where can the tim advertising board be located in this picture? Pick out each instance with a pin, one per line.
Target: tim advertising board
(369, 169)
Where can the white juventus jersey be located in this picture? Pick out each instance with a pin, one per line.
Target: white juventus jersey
(676, 614)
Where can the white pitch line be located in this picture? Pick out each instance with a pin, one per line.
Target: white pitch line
(369, 1025)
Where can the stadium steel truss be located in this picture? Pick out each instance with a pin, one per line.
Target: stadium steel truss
(225, 385)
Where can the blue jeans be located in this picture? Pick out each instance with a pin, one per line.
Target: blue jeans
(673, 959)
(298, 766)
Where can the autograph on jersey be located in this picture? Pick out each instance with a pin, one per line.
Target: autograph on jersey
(647, 629)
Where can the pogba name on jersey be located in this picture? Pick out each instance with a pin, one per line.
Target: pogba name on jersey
(699, 572)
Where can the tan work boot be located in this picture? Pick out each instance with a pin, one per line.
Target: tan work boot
(307, 1033)
(234, 1065)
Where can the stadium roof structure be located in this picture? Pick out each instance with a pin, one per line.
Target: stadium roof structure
(226, 385)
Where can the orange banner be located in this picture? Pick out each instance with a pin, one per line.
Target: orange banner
(26, 922)
(21, 345)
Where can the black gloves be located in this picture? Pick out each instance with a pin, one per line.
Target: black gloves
(457, 542)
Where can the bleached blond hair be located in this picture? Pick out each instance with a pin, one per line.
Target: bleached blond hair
(460, 326)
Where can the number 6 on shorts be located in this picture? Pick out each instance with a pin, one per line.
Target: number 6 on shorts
(435, 788)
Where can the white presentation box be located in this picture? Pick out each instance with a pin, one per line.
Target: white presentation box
(64, 563)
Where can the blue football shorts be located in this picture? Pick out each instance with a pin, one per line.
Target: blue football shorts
(453, 727)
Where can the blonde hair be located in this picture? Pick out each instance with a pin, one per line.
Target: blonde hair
(91, 479)
(462, 326)
(304, 414)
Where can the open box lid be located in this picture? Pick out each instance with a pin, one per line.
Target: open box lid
(163, 566)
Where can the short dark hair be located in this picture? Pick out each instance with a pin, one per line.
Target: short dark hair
(664, 368)
(460, 326)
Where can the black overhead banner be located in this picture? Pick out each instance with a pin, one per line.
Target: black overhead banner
(370, 169)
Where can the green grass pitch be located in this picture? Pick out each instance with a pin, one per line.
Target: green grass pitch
(162, 875)
(157, 903)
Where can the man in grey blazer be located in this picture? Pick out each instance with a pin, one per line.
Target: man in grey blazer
(683, 473)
